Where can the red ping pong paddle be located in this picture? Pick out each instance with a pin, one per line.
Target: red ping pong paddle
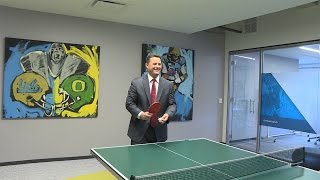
(154, 107)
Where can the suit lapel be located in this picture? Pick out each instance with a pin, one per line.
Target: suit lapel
(146, 88)
(160, 88)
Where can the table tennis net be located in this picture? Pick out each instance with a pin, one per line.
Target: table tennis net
(293, 156)
(228, 170)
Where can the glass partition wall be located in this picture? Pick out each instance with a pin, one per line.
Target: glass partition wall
(274, 98)
(243, 98)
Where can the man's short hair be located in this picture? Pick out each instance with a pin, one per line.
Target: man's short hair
(151, 56)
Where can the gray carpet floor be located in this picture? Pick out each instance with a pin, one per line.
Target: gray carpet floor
(57, 170)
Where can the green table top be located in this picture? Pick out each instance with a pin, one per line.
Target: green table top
(155, 158)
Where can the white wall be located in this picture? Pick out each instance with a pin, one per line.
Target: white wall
(277, 64)
(120, 61)
(285, 27)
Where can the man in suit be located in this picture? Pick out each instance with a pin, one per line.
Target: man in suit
(139, 98)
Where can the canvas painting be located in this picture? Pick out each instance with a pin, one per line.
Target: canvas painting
(45, 79)
(177, 67)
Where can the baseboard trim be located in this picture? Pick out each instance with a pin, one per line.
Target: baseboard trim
(44, 160)
(242, 140)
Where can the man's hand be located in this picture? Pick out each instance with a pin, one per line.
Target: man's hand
(145, 116)
(164, 118)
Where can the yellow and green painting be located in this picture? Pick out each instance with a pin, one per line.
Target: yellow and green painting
(50, 79)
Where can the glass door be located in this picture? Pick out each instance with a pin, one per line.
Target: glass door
(243, 116)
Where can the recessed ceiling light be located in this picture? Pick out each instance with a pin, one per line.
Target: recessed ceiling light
(246, 57)
(309, 49)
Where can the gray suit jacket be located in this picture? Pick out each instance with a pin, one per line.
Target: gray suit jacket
(139, 99)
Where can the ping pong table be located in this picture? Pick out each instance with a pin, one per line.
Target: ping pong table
(195, 159)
